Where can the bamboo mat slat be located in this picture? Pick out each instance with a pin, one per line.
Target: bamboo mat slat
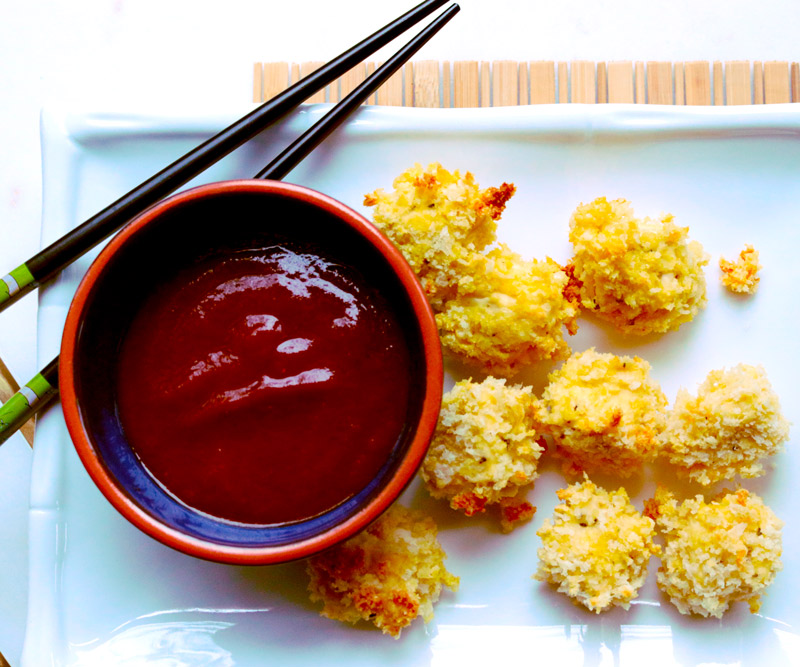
(542, 82)
(498, 83)
(485, 85)
(465, 84)
(758, 83)
(659, 83)
(562, 81)
(777, 86)
(717, 78)
(426, 84)
(639, 83)
(679, 74)
(697, 82)
(620, 83)
(583, 84)
(523, 83)
(446, 84)
(738, 83)
(274, 79)
(505, 84)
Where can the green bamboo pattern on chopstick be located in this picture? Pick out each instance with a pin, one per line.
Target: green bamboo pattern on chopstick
(16, 280)
(30, 398)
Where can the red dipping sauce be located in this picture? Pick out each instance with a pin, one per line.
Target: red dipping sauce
(265, 386)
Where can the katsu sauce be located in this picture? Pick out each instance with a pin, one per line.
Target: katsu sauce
(264, 386)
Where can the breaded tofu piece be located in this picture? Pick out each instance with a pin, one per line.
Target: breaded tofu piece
(741, 275)
(439, 220)
(513, 313)
(484, 449)
(718, 552)
(604, 412)
(388, 574)
(733, 423)
(596, 547)
(643, 276)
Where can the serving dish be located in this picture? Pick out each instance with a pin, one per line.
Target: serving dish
(102, 594)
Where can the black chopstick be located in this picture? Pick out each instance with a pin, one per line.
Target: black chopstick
(52, 259)
(44, 386)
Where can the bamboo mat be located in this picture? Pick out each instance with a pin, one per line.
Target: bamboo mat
(430, 83)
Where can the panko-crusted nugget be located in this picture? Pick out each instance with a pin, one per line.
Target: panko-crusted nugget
(485, 449)
(596, 547)
(513, 313)
(643, 276)
(741, 275)
(734, 421)
(604, 412)
(388, 574)
(439, 220)
(716, 553)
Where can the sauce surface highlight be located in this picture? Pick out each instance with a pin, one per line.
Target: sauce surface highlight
(264, 386)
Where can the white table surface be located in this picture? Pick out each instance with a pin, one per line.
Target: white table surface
(181, 54)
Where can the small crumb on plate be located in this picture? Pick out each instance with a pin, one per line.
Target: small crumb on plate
(741, 275)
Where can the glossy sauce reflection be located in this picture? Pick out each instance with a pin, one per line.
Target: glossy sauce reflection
(264, 387)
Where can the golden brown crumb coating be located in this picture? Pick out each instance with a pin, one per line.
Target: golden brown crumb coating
(643, 276)
(514, 511)
(513, 313)
(604, 412)
(388, 574)
(596, 547)
(718, 552)
(734, 421)
(741, 275)
(484, 449)
(439, 220)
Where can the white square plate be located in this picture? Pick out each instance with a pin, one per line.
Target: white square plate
(103, 594)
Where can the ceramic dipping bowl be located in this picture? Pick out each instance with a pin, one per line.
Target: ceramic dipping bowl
(220, 220)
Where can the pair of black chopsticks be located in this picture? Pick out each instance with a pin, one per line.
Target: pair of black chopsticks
(48, 262)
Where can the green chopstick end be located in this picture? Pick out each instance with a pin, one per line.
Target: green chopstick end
(15, 281)
(39, 386)
(14, 412)
(18, 409)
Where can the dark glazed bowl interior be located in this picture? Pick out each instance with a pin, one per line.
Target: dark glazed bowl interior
(195, 225)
